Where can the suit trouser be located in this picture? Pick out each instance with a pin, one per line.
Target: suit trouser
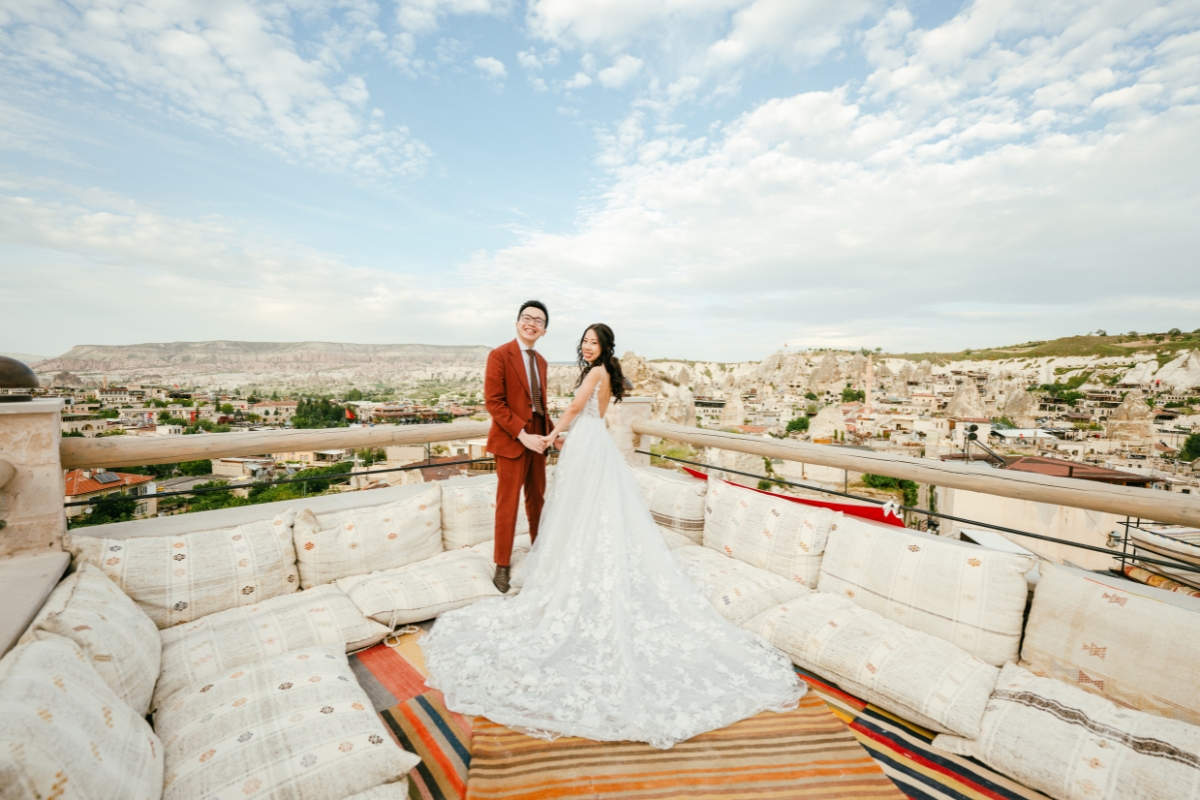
(527, 471)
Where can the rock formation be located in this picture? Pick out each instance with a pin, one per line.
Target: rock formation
(828, 424)
(1021, 407)
(966, 401)
(1130, 422)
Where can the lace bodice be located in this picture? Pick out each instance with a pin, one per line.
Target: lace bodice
(591, 409)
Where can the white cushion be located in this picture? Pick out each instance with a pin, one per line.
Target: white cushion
(1074, 745)
(177, 579)
(368, 539)
(114, 634)
(675, 500)
(200, 651)
(920, 677)
(738, 590)
(520, 552)
(298, 725)
(675, 539)
(64, 733)
(968, 595)
(469, 512)
(422, 591)
(1136, 645)
(766, 532)
(387, 791)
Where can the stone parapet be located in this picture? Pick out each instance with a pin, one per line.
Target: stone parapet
(31, 502)
(620, 417)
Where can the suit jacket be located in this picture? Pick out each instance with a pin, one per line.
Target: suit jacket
(508, 398)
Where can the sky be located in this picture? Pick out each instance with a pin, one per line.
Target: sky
(712, 178)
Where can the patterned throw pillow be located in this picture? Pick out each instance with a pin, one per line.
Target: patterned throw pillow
(201, 650)
(1136, 645)
(739, 591)
(421, 591)
(1071, 744)
(968, 595)
(922, 678)
(675, 500)
(298, 725)
(65, 733)
(469, 512)
(767, 532)
(177, 579)
(362, 540)
(114, 634)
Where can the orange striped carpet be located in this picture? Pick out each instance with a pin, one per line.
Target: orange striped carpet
(806, 753)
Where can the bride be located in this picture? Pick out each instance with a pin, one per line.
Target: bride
(608, 639)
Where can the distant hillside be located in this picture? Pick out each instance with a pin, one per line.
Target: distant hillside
(278, 364)
(1163, 344)
(24, 358)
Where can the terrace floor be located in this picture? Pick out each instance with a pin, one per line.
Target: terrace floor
(850, 749)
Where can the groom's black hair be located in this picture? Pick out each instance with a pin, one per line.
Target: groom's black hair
(535, 304)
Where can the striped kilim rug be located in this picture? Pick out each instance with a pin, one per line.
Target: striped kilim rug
(803, 753)
(394, 677)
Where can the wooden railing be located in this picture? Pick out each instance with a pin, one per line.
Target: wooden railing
(1149, 504)
(130, 451)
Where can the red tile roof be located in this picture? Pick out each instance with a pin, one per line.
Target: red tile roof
(76, 484)
(1060, 468)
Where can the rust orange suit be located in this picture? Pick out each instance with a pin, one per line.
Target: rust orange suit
(509, 401)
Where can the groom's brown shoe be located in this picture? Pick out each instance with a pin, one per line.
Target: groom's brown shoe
(501, 579)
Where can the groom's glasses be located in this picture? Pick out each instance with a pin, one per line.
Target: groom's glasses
(535, 321)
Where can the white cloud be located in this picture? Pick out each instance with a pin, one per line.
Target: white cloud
(805, 32)
(491, 67)
(579, 80)
(621, 72)
(424, 16)
(230, 67)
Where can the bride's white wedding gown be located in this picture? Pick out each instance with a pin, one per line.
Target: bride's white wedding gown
(608, 639)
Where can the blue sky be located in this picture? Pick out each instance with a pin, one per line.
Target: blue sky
(711, 177)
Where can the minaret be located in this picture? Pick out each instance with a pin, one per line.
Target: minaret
(870, 383)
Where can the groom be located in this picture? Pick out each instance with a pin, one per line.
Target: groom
(514, 389)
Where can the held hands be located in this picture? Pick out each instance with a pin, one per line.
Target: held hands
(535, 443)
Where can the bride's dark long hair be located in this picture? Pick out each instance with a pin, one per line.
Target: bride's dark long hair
(607, 357)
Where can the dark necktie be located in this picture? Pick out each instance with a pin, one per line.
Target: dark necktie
(535, 383)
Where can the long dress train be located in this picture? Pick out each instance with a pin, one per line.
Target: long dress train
(608, 638)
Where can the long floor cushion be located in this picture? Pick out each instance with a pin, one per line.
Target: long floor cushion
(297, 725)
(968, 595)
(675, 500)
(65, 733)
(1136, 645)
(200, 651)
(368, 539)
(922, 678)
(114, 634)
(1075, 745)
(738, 590)
(521, 547)
(421, 591)
(178, 579)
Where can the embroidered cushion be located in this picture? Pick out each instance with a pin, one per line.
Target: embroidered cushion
(177, 579)
(968, 595)
(738, 590)
(922, 678)
(201, 650)
(469, 512)
(675, 539)
(297, 725)
(116, 636)
(766, 532)
(362, 540)
(1136, 645)
(675, 500)
(387, 791)
(66, 734)
(422, 591)
(1074, 745)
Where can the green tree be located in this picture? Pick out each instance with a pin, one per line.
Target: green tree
(111, 510)
(74, 435)
(799, 424)
(227, 408)
(852, 395)
(811, 396)
(1191, 448)
(108, 413)
(909, 488)
(354, 395)
(320, 413)
(193, 468)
